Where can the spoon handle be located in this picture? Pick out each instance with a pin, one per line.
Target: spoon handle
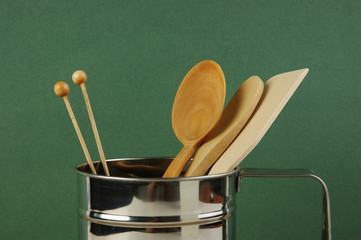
(179, 162)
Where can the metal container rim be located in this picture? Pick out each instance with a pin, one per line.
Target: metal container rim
(151, 179)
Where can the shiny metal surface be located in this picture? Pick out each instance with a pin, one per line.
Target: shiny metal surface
(146, 206)
(136, 203)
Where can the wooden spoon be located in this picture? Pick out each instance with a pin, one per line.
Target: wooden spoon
(196, 110)
(233, 119)
(277, 91)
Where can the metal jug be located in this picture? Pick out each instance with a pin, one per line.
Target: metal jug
(139, 204)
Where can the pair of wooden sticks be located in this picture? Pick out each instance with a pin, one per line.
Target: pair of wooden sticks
(61, 89)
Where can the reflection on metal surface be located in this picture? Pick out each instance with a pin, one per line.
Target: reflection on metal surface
(136, 203)
(145, 206)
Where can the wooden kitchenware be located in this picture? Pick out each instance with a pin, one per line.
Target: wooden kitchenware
(277, 91)
(233, 119)
(196, 110)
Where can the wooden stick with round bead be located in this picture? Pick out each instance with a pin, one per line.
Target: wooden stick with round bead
(79, 78)
(61, 89)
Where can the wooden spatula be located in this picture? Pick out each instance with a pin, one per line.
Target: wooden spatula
(234, 117)
(277, 91)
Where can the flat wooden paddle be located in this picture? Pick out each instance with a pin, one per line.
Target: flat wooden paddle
(233, 119)
(197, 108)
(277, 91)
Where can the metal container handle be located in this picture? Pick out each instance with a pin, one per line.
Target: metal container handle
(295, 173)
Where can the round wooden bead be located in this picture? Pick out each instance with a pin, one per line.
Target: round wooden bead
(61, 89)
(79, 77)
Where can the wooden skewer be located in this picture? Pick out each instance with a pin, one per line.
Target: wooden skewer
(61, 89)
(79, 78)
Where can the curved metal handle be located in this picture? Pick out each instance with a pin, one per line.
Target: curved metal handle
(294, 173)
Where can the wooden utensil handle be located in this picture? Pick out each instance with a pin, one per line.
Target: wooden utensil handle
(179, 162)
(80, 136)
(95, 130)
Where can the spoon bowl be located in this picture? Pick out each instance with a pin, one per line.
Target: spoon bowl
(197, 108)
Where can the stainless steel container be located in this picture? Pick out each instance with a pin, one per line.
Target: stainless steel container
(139, 204)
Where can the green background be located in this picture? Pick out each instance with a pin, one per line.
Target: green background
(136, 54)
